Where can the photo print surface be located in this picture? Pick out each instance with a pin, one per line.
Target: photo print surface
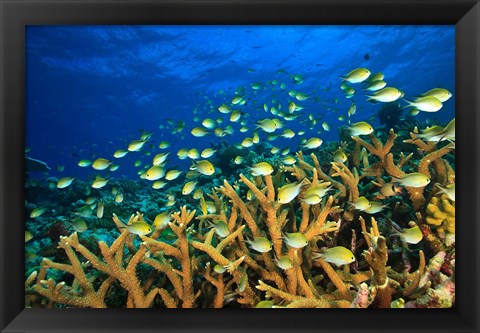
(240, 166)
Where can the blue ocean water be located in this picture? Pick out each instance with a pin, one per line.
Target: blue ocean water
(91, 90)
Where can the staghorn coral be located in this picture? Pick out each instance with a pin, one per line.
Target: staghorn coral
(183, 264)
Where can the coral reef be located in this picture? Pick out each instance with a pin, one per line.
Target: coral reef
(441, 214)
(184, 264)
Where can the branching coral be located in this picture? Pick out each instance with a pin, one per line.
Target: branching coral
(208, 268)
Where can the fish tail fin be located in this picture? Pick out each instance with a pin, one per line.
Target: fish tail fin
(395, 180)
(409, 104)
(317, 255)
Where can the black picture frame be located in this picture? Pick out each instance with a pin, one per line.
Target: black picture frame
(16, 14)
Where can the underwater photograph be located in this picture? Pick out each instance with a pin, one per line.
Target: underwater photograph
(240, 166)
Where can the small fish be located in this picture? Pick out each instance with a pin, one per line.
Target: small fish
(120, 153)
(100, 209)
(99, 182)
(340, 156)
(199, 132)
(358, 75)
(205, 167)
(414, 111)
(145, 136)
(337, 255)
(172, 174)
(160, 158)
(256, 85)
(197, 194)
(288, 192)
(208, 123)
(375, 207)
(260, 244)
(90, 200)
(325, 126)
(376, 77)
(385, 95)
(219, 269)
(360, 128)
(313, 143)
(235, 116)
(65, 182)
(189, 187)
(298, 79)
(136, 145)
(247, 142)
(274, 150)
(182, 153)
(164, 145)
(224, 109)
(28, 236)
(78, 224)
(84, 163)
(255, 138)
(362, 204)
(242, 284)
(389, 189)
(292, 107)
(161, 220)
(312, 199)
(237, 100)
(287, 133)
(442, 94)
(449, 190)
(114, 167)
(289, 160)
(119, 198)
(221, 228)
(238, 160)
(278, 123)
(426, 104)
(284, 262)
(84, 211)
(319, 190)
(301, 96)
(207, 152)
(411, 235)
(193, 154)
(158, 184)
(261, 169)
(101, 164)
(267, 125)
(155, 172)
(139, 228)
(265, 304)
(376, 85)
(296, 240)
(414, 179)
